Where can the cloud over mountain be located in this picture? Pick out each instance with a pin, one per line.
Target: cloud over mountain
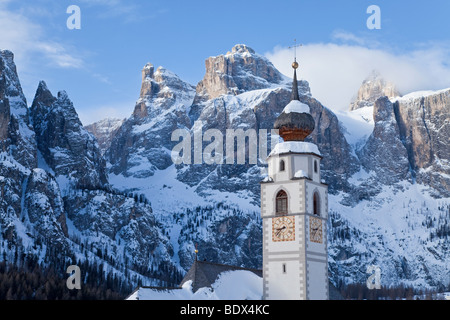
(336, 69)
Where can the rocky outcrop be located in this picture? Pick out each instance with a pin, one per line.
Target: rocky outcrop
(409, 142)
(236, 72)
(66, 147)
(18, 155)
(372, 88)
(384, 152)
(424, 128)
(140, 145)
(16, 133)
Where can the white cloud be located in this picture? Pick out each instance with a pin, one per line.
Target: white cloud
(26, 39)
(336, 71)
(341, 35)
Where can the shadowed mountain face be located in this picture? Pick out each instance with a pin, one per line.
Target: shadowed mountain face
(65, 145)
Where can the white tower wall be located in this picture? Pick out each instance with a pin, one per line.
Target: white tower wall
(296, 268)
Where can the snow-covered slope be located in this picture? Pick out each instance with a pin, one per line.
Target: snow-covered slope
(357, 125)
(404, 232)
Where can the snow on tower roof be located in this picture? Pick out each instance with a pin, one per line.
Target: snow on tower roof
(296, 106)
(295, 147)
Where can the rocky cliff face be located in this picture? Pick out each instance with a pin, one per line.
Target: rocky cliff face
(56, 201)
(408, 139)
(66, 147)
(236, 72)
(372, 88)
(384, 152)
(424, 128)
(16, 133)
(140, 145)
(17, 147)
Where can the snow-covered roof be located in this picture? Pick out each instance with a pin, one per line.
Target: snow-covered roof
(204, 273)
(230, 285)
(296, 106)
(301, 174)
(295, 147)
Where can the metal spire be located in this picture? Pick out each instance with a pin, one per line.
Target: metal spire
(295, 95)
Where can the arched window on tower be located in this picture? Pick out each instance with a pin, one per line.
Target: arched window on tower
(282, 165)
(281, 203)
(315, 166)
(316, 203)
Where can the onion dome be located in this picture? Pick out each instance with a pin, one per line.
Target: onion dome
(295, 123)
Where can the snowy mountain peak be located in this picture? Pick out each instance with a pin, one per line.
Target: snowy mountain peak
(60, 136)
(12, 88)
(236, 72)
(42, 86)
(16, 134)
(161, 83)
(8, 56)
(242, 48)
(372, 88)
(63, 96)
(43, 94)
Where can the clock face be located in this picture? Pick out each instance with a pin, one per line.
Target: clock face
(315, 230)
(283, 229)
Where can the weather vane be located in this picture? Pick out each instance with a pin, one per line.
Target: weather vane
(295, 46)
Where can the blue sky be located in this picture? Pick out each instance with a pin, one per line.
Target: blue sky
(100, 65)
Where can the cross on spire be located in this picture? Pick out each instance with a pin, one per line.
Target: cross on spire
(295, 46)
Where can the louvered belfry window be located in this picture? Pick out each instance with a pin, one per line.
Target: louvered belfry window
(316, 204)
(281, 203)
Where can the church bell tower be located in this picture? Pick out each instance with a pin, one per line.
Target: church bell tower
(294, 210)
